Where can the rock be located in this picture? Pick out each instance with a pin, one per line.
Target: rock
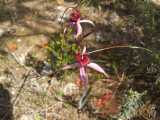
(39, 85)
(2, 78)
(60, 1)
(70, 89)
(156, 2)
(1, 32)
(6, 31)
(27, 117)
(46, 69)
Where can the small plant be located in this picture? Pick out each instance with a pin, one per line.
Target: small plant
(61, 51)
(131, 103)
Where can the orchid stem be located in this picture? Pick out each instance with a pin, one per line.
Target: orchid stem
(120, 46)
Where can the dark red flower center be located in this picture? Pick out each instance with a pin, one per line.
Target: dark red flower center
(75, 15)
(83, 60)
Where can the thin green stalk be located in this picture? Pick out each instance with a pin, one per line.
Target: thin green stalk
(121, 46)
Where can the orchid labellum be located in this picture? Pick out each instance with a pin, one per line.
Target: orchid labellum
(75, 19)
(83, 61)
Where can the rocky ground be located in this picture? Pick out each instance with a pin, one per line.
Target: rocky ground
(26, 94)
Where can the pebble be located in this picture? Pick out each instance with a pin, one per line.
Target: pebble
(26, 117)
(70, 89)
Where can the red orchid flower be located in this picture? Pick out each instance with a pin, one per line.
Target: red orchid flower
(75, 15)
(83, 61)
(75, 19)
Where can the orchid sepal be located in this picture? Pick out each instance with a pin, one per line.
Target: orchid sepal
(87, 21)
(83, 75)
(79, 29)
(97, 68)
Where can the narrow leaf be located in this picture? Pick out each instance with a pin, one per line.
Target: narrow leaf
(83, 100)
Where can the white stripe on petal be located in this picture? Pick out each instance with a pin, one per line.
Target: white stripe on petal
(84, 50)
(79, 29)
(87, 21)
(97, 68)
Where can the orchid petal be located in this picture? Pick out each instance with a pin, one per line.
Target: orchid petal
(97, 68)
(79, 29)
(84, 50)
(70, 66)
(87, 21)
(83, 75)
